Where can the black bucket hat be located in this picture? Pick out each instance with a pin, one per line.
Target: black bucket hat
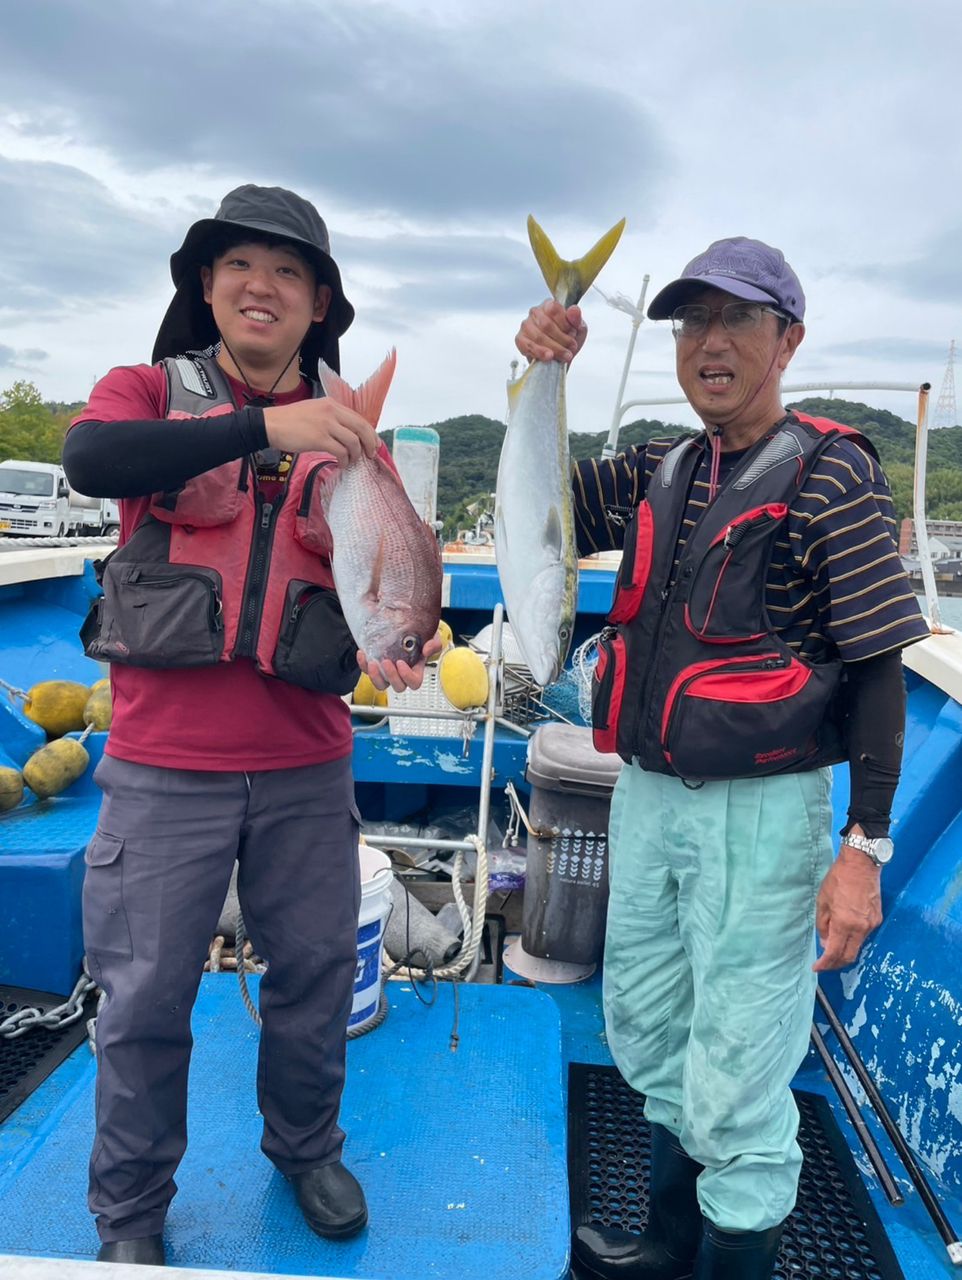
(189, 322)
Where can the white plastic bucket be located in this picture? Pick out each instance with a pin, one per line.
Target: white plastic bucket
(376, 877)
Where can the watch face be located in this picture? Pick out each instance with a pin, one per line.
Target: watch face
(884, 848)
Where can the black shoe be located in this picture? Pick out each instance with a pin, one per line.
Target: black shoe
(667, 1247)
(737, 1255)
(331, 1200)
(148, 1251)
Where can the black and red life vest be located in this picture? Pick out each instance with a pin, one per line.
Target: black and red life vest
(692, 678)
(215, 572)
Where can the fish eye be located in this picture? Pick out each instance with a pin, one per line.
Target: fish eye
(564, 632)
(409, 644)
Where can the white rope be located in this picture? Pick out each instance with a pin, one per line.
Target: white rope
(473, 921)
(583, 662)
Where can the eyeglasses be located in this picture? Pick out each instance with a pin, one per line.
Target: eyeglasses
(693, 319)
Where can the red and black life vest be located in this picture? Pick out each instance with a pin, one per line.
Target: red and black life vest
(215, 572)
(692, 678)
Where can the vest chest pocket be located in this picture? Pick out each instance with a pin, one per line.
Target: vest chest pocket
(635, 567)
(725, 598)
(608, 691)
(205, 501)
(310, 524)
(159, 615)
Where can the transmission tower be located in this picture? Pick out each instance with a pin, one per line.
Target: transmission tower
(945, 412)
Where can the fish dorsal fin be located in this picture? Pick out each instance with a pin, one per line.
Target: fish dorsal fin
(569, 281)
(367, 399)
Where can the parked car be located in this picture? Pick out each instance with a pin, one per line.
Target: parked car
(35, 500)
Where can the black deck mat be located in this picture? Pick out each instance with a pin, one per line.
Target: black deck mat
(834, 1231)
(27, 1061)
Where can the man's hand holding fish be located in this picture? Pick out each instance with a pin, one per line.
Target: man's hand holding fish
(398, 675)
(552, 332)
(321, 425)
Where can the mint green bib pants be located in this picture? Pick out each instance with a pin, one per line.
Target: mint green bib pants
(708, 987)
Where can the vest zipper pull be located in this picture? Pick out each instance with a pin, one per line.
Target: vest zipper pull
(266, 513)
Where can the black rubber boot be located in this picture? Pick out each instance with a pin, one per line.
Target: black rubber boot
(737, 1255)
(148, 1251)
(331, 1200)
(666, 1249)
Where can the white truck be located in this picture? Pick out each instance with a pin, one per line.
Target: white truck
(37, 502)
(94, 515)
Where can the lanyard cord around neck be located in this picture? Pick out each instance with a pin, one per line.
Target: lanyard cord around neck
(254, 400)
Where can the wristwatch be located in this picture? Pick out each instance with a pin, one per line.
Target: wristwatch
(879, 849)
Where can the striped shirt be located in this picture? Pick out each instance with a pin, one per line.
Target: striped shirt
(836, 584)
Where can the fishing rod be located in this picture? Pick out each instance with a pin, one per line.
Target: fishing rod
(868, 1142)
(949, 1236)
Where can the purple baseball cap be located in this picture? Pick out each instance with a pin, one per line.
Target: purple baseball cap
(746, 268)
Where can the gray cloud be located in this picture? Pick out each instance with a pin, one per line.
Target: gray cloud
(408, 115)
(66, 240)
(935, 275)
(10, 357)
(911, 350)
(442, 274)
(69, 243)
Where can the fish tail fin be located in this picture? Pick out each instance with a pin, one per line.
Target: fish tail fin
(367, 399)
(569, 281)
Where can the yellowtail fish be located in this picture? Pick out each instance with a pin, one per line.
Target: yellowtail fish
(534, 528)
(386, 561)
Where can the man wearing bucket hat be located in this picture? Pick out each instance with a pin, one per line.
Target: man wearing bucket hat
(230, 739)
(753, 641)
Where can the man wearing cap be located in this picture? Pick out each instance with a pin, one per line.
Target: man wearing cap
(753, 641)
(229, 740)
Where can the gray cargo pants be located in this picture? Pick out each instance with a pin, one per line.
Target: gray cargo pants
(158, 869)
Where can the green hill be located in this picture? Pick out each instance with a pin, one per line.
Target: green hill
(894, 438)
(471, 445)
(469, 452)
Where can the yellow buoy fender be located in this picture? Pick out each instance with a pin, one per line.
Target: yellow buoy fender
(367, 695)
(98, 710)
(464, 678)
(446, 636)
(11, 788)
(57, 706)
(55, 767)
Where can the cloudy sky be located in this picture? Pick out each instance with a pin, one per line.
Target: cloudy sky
(426, 131)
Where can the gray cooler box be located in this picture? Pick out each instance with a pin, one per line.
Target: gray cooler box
(566, 881)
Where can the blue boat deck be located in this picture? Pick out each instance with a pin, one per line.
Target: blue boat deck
(462, 1153)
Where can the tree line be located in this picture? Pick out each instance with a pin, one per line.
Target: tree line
(471, 446)
(32, 428)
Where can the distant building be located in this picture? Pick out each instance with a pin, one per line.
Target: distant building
(945, 548)
(945, 539)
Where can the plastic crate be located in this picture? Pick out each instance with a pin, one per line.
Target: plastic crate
(429, 697)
